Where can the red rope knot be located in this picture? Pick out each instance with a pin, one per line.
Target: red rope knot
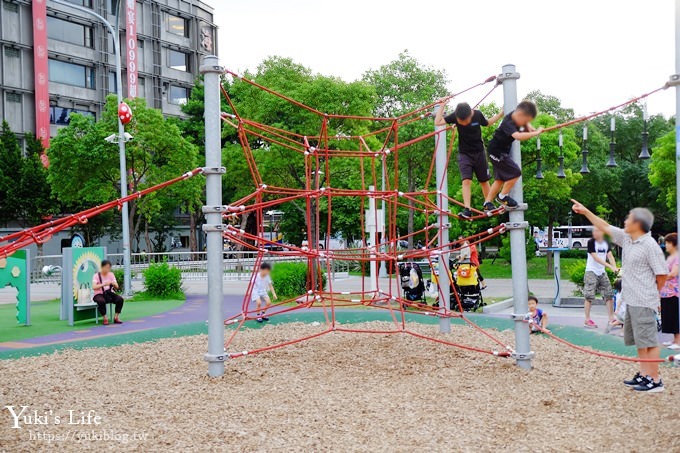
(490, 79)
(82, 219)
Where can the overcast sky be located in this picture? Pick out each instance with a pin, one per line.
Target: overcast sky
(591, 54)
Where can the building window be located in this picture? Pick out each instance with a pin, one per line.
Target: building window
(178, 60)
(63, 30)
(13, 97)
(177, 25)
(114, 3)
(113, 86)
(71, 74)
(85, 3)
(178, 95)
(62, 115)
(12, 52)
(10, 6)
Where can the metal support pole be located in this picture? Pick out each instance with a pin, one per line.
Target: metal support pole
(372, 224)
(520, 286)
(443, 230)
(676, 77)
(382, 273)
(127, 287)
(211, 71)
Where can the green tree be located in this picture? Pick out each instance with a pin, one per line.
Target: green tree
(84, 168)
(283, 167)
(662, 170)
(404, 85)
(10, 166)
(34, 190)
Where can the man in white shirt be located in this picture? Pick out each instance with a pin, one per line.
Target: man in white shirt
(596, 280)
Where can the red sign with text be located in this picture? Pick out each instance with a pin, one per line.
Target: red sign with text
(42, 92)
(131, 40)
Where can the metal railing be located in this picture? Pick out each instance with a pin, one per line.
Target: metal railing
(193, 265)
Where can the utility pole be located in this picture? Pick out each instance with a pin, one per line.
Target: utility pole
(213, 211)
(442, 189)
(127, 286)
(517, 227)
(675, 81)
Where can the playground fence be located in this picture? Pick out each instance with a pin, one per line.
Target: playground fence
(237, 265)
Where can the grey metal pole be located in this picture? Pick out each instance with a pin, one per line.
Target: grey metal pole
(127, 287)
(517, 227)
(443, 230)
(382, 273)
(676, 78)
(213, 210)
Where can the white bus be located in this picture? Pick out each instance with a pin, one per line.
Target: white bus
(580, 234)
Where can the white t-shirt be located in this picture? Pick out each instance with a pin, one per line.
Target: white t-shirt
(600, 249)
(260, 286)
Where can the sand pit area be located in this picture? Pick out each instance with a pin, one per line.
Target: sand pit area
(340, 392)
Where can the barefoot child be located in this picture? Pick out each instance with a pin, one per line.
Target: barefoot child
(471, 153)
(538, 316)
(262, 284)
(515, 126)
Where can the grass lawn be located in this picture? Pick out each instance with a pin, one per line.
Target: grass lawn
(45, 317)
(536, 268)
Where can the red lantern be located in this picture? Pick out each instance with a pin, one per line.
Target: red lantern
(124, 113)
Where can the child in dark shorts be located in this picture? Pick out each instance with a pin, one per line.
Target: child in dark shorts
(515, 126)
(471, 153)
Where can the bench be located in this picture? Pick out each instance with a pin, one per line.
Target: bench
(93, 305)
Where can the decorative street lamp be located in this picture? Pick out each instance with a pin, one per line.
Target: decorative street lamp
(560, 171)
(644, 154)
(539, 161)
(584, 151)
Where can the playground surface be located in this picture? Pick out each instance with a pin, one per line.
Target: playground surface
(338, 392)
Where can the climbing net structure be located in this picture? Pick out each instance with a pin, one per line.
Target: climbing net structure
(316, 152)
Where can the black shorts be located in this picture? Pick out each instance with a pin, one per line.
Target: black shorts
(469, 164)
(670, 315)
(504, 168)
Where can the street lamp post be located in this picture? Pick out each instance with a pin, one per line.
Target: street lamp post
(121, 136)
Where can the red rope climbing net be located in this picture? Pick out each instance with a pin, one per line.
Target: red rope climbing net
(321, 187)
(316, 151)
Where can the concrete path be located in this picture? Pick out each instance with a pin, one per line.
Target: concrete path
(496, 288)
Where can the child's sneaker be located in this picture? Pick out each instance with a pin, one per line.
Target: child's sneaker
(264, 318)
(465, 214)
(489, 207)
(507, 201)
(637, 380)
(259, 320)
(648, 385)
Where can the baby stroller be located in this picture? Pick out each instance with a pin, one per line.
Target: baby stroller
(412, 284)
(466, 285)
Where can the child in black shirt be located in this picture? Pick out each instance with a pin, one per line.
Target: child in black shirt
(515, 126)
(471, 154)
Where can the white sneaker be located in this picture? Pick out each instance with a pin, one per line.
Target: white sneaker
(667, 343)
(674, 346)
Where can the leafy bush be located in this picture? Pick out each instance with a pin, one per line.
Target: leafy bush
(577, 272)
(120, 277)
(290, 279)
(162, 280)
(574, 253)
(504, 251)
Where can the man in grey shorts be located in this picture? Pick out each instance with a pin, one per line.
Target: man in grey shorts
(471, 153)
(644, 274)
(596, 280)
